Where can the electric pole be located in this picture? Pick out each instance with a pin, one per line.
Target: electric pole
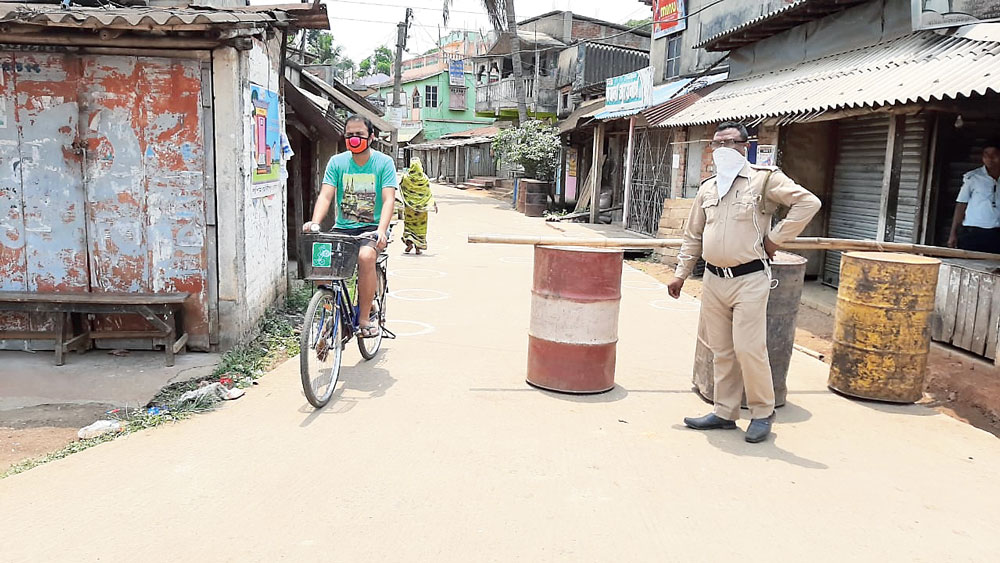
(401, 32)
(397, 87)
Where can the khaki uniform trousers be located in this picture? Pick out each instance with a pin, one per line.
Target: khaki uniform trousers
(734, 313)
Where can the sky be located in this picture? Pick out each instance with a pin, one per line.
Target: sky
(360, 38)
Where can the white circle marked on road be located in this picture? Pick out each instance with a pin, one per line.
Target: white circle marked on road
(516, 260)
(405, 295)
(417, 273)
(673, 305)
(643, 284)
(420, 330)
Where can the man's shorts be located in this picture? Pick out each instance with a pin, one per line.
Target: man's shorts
(371, 240)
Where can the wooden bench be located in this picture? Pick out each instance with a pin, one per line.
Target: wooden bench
(164, 311)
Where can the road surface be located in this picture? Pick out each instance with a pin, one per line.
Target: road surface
(438, 451)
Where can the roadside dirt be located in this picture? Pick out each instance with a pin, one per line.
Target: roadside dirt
(35, 431)
(958, 384)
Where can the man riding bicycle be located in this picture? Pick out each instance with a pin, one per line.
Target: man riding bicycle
(363, 181)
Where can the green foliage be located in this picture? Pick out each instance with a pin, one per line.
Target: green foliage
(380, 61)
(534, 146)
(643, 24)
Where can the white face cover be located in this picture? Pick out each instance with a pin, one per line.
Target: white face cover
(728, 164)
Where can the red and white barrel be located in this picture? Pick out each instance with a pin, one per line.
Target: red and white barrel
(573, 334)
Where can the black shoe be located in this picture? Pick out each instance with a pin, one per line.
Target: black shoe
(759, 429)
(710, 422)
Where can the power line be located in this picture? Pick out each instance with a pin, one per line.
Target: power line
(438, 10)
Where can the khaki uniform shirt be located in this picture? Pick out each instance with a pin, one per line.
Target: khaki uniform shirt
(730, 231)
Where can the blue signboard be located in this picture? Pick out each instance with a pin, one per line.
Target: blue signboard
(629, 91)
(456, 73)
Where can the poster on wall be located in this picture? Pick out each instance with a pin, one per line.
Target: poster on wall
(669, 17)
(932, 14)
(266, 147)
(767, 155)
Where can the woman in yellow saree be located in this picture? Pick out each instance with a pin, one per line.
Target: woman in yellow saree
(418, 201)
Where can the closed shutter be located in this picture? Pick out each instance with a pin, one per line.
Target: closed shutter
(857, 184)
(909, 206)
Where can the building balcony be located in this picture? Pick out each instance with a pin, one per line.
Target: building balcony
(498, 99)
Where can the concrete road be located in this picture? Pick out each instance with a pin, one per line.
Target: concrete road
(438, 451)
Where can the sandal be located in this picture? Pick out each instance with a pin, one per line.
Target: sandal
(370, 331)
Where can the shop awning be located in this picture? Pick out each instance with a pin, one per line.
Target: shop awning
(581, 115)
(657, 115)
(344, 98)
(920, 67)
(315, 111)
(661, 94)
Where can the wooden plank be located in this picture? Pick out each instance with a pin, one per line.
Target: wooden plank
(26, 335)
(970, 298)
(982, 322)
(993, 335)
(94, 298)
(180, 344)
(127, 335)
(962, 309)
(940, 303)
(951, 305)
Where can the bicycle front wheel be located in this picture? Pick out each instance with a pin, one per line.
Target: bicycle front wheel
(321, 348)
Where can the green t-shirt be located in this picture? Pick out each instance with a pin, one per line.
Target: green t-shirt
(359, 188)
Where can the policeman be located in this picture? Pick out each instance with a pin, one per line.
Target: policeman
(976, 224)
(729, 226)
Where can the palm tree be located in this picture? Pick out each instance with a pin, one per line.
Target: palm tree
(501, 14)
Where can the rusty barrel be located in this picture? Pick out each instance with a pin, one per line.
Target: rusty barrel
(535, 197)
(782, 309)
(882, 332)
(573, 333)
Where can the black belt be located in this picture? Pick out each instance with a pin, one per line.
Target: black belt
(736, 271)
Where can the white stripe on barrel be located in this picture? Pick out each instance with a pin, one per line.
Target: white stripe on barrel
(574, 319)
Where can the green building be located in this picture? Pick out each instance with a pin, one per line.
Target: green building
(432, 104)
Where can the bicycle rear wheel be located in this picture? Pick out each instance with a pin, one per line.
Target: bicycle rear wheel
(321, 348)
(370, 346)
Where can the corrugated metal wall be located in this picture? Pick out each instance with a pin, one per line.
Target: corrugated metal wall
(915, 140)
(105, 188)
(857, 184)
(855, 205)
(481, 162)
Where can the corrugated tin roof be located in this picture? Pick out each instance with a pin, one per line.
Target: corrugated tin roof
(448, 143)
(661, 94)
(919, 67)
(687, 96)
(137, 17)
(407, 135)
(582, 113)
(488, 131)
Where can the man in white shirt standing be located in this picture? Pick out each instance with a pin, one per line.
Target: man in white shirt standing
(976, 225)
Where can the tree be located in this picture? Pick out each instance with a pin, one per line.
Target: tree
(534, 145)
(379, 62)
(641, 25)
(383, 60)
(320, 44)
(501, 14)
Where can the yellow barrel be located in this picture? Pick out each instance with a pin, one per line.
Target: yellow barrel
(882, 333)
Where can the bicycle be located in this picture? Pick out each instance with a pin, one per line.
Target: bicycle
(332, 318)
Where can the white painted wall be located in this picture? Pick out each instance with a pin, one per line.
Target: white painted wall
(264, 218)
(251, 230)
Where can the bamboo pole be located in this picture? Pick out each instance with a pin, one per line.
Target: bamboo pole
(802, 243)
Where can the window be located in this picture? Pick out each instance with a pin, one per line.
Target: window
(430, 96)
(456, 98)
(672, 60)
(416, 98)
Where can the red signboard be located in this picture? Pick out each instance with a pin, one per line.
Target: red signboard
(669, 16)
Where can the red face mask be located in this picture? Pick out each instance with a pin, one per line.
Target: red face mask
(357, 145)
